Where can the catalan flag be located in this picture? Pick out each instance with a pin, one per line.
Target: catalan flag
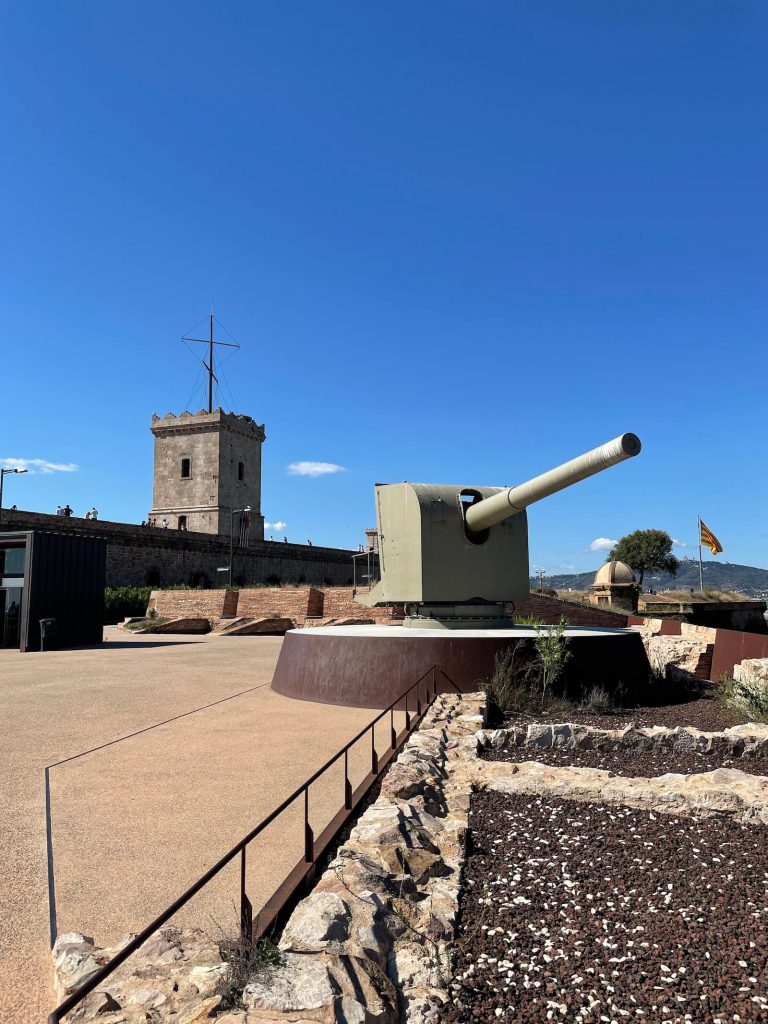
(708, 539)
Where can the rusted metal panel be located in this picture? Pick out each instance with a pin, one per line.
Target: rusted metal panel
(733, 646)
(361, 670)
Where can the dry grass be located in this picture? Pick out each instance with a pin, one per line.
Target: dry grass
(574, 596)
(708, 594)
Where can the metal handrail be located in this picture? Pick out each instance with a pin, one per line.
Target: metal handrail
(311, 853)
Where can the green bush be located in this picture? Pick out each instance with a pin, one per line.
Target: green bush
(552, 648)
(509, 689)
(526, 675)
(123, 602)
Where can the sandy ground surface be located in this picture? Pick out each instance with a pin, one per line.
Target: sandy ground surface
(135, 822)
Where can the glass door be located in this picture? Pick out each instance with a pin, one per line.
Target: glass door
(10, 612)
(12, 560)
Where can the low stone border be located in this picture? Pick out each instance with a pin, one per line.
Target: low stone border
(371, 944)
(749, 740)
(175, 976)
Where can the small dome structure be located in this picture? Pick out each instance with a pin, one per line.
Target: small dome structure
(614, 574)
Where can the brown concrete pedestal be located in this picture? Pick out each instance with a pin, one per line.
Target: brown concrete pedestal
(370, 666)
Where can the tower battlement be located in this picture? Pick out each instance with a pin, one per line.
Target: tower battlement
(203, 420)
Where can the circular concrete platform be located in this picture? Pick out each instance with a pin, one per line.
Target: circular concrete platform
(370, 666)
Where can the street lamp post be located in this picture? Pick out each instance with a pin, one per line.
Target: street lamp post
(232, 513)
(3, 474)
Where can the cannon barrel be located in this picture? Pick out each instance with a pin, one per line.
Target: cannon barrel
(498, 507)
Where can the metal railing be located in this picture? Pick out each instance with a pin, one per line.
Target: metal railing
(414, 706)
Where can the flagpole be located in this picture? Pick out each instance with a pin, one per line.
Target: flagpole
(701, 569)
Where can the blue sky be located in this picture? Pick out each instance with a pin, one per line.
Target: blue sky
(458, 242)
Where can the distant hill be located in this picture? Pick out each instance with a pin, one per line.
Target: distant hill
(739, 579)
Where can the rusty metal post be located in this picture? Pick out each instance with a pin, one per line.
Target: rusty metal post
(309, 838)
(374, 755)
(347, 783)
(392, 733)
(246, 910)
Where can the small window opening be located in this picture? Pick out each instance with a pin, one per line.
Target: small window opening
(241, 471)
(186, 469)
(182, 522)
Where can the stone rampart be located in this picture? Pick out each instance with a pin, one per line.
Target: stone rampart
(140, 556)
(549, 610)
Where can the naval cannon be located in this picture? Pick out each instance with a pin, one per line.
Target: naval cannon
(456, 555)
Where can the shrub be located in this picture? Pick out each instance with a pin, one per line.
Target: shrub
(245, 959)
(509, 689)
(552, 649)
(598, 701)
(525, 674)
(123, 602)
(744, 701)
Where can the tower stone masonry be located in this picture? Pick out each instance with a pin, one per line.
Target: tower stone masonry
(207, 464)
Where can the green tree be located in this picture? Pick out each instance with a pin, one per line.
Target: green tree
(646, 551)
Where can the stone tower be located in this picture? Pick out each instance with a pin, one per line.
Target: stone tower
(207, 464)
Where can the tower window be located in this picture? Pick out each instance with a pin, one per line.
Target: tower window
(182, 522)
(186, 469)
(241, 471)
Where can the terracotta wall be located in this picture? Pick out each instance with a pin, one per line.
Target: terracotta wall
(733, 646)
(286, 602)
(207, 604)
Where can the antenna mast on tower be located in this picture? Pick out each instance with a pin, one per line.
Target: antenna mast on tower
(209, 341)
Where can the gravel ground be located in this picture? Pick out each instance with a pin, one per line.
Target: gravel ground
(638, 764)
(579, 912)
(705, 713)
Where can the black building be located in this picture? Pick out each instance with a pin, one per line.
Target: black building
(48, 575)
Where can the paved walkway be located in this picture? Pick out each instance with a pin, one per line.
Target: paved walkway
(134, 822)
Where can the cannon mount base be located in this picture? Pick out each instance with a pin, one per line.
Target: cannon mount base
(370, 666)
(483, 615)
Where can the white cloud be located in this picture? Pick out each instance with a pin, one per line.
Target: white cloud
(679, 543)
(313, 468)
(39, 465)
(567, 566)
(602, 544)
(279, 525)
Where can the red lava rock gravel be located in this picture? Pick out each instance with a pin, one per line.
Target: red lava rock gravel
(639, 764)
(705, 713)
(579, 912)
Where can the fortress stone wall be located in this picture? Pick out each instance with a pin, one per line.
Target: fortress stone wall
(550, 609)
(140, 556)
